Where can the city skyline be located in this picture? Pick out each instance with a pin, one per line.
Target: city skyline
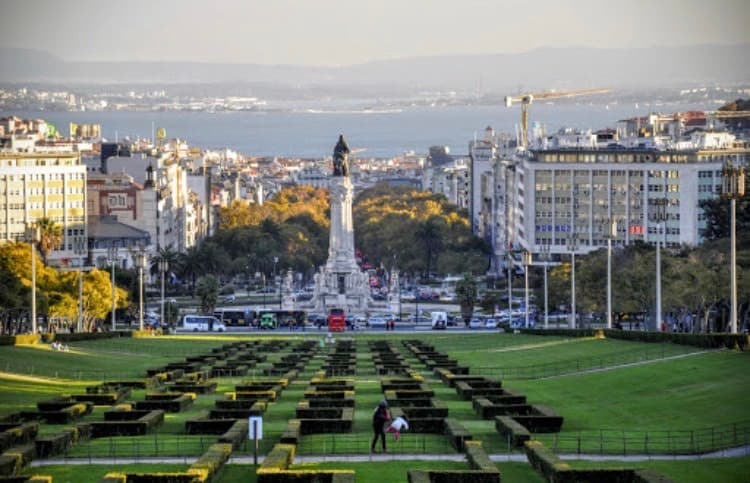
(337, 33)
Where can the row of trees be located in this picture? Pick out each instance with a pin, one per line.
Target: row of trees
(56, 292)
(695, 281)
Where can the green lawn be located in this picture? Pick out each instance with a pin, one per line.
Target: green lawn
(690, 393)
(724, 470)
(698, 391)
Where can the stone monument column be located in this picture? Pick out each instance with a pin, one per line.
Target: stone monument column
(341, 283)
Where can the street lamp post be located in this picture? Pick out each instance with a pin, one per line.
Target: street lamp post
(572, 247)
(612, 233)
(112, 255)
(545, 256)
(140, 258)
(80, 249)
(526, 264)
(32, 235)
(733, 181)
(510, 287)
(163, 267)
(660, 216)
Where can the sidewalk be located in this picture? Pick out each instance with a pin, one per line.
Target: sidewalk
(738, 452)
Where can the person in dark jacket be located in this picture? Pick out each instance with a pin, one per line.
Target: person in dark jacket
(379, 417)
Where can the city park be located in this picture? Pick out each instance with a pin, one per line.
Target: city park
(112, 403)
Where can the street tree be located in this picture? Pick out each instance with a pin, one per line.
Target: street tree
(466, 294)
(207, 289)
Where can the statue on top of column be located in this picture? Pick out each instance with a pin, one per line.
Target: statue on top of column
(341, 158)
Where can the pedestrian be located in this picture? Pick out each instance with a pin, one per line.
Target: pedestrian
(379, 417)
(397, 425)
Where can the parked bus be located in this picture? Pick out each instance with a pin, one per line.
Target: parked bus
(336, 320)
(282, 318)
(236, 317)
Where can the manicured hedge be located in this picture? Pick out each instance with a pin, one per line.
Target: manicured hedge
(17, 434)
(120, 423)
(275, 469)
(478, 458)
(452, 476)
(511, 429)
(541, 420)
(554, 469)
(211, 461)
(150, 478)
(15, 459)
(236, 434)
(26, 479)
(292, 432)
(208, 426)
(201, 388)
(170, 402)
(255, 409)
(456, 433)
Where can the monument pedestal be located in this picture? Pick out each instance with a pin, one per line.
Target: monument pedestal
(341, 283)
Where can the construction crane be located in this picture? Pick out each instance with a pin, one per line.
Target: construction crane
(526, 99)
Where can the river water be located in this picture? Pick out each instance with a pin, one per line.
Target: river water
(313, 133)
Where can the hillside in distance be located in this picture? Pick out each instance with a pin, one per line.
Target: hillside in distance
(559, 67)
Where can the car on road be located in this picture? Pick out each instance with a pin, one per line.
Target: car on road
(230, 298)
(490, 324)
(476, 323)
(379, 321)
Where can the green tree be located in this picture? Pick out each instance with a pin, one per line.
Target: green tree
(466, 294)
(207, 289)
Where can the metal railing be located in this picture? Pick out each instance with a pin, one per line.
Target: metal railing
(657, 442)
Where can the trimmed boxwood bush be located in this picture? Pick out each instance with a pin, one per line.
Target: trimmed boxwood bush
(456, 433)
(543, 460)
(211, 461)
(292, 432)
(511, 429)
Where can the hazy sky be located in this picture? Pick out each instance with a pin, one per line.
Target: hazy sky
(340, 32)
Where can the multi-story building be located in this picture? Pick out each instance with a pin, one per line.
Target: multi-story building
(45, 185)
(567, 192)
(651, 194)
(115, 200)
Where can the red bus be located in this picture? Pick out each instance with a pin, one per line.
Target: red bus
(336, 320)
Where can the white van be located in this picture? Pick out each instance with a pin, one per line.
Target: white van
(202, 323)
(439, 320)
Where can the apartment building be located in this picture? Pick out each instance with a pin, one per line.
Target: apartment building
(651, 194)
(36, 185)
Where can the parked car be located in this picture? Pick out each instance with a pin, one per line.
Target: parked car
(476, 323)
(318, 320)
(490, 324)
(380, 320)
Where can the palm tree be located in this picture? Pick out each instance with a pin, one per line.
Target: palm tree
(207, 289)
(50, 236)
(167, 253)
(191, 264)
(466, 293)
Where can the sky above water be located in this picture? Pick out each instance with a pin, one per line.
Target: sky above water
(345, 32)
